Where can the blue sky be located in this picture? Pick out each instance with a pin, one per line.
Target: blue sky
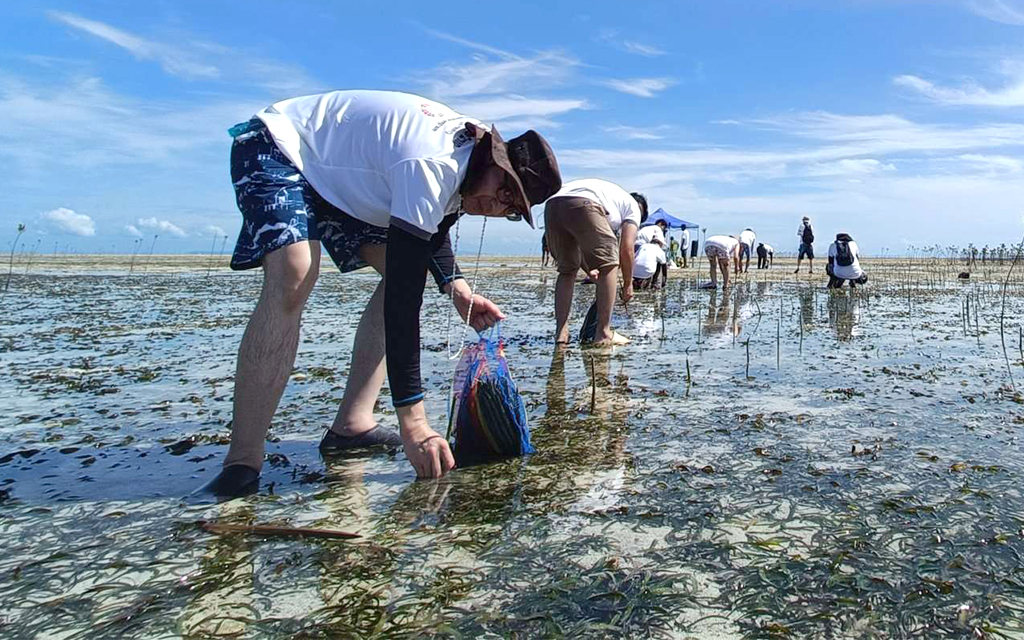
(900, 122)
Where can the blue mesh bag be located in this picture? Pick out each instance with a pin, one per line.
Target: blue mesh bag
(488, 413)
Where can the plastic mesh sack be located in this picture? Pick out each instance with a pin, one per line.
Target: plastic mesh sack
(589, 329)
(488, 413)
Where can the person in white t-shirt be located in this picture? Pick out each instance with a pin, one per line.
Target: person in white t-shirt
(376, 178)
(747, 239)
(684, 242)
(844, 263)
(582, 220)
(652, 233)
(720, 250)
(650, 262)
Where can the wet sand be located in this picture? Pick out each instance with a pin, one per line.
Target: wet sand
(772, 460)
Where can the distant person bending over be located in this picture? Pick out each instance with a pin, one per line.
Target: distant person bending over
(765, 255)
(650, 262)
(376, 178)
(652, 233)
(806, 235)
(582, 219)
(747, 239)
(684, 241)
(720, 250)
(844, 263)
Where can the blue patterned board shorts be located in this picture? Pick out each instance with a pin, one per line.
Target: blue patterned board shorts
(279, 207)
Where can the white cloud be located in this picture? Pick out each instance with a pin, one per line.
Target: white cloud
(214, 230)
(197, 60)
(509, 74)
(500, 109)
(642, 87)
(161, 226)
(849, 167)
(970, 94)
(1005, 11)
(637, 133)
(67, 221)
(642, 49)
(173, 60)
(613, 38)
(133, 230)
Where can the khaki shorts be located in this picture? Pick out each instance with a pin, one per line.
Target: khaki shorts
(579, 234)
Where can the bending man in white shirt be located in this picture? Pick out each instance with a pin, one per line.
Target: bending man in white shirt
(376, 178)
(582, 221)
(720, 250)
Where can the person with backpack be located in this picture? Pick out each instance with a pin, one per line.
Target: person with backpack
(844, 263)
(806, 235)
(765, 255)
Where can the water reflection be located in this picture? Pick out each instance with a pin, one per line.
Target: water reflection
(723, 317)
(807, 297)
(843, 313)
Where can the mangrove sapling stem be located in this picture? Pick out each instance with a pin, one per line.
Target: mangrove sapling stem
(593, 385)
(800, 320)
(1002, 315)
(977, 324)
(14, 246)
(209, 263)
(747, 343)
(1020, 343)
(778, 341)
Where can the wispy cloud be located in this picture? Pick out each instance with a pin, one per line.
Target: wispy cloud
(642, 87)
(971, 94)
(614, 38)
(1004, 11)
(195, 60)
(638, 133)
(173, 60)
(67, 221)
(132, 230)
(504, 87)
(502, 109)
(642, 49)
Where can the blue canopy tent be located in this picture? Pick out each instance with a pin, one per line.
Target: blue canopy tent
(672, 221)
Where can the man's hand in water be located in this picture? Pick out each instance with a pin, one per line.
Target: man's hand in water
(485, 313)
(427, 450)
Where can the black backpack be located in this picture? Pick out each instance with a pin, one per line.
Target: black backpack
(808, 236)
(844, 257)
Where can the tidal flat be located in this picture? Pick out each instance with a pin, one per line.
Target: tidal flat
(775, 460)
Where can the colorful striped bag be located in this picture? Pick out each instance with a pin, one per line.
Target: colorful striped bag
(488, 413)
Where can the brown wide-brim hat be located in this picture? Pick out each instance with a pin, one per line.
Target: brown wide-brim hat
(531, 163)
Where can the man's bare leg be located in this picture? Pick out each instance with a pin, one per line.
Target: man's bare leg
(564, 286)
(367, 371)
(723, 265)
(606, 283)
(267, 352)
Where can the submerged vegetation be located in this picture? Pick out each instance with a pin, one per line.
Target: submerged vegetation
(772, 461)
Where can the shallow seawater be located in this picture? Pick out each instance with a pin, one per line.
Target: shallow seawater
(772, 461)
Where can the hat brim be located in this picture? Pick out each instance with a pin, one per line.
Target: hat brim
(499, 153)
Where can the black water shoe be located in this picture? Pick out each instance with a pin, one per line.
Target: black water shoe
(333, 444)
(232, 482)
